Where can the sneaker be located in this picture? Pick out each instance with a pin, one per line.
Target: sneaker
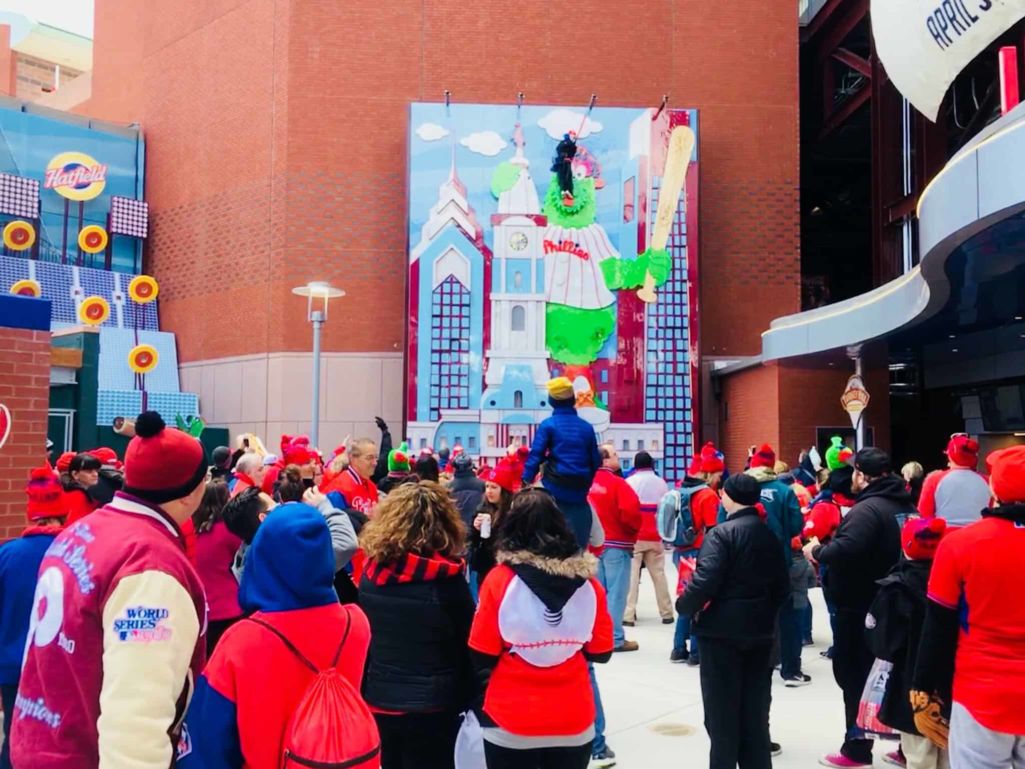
(628, 623)
(896, 758)
(827, 654)
(678, 655)
(775, 749)
(801, 679)
(840, 761)
(693, 660)
(603, 759)
(668, 620)
(808, 642)
(627, 646)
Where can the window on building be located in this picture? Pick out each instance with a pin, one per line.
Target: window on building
(640, 445)
(519, 318)
(459, 441)
(628, 200)
(518, 399)
(626, 445)
(423, 443)
(604, 376)
(654, 445)
(491, 441)
(517, 279)
(471, 443)
(450, 347)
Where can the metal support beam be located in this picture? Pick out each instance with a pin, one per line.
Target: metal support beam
(844, 113)
(855, 62)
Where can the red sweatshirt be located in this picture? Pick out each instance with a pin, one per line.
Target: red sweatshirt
(618, 509)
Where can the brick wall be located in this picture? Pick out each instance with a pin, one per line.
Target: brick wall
(25, 391)
(277, 138)
(784, 403)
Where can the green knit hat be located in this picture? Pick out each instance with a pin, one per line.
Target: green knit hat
(837, 455)
(398, 459)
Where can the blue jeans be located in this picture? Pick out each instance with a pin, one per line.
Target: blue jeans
(790, 639)
(614, 575)
(599, 714)
(683, 631)
(8, 693)
(579, 517)
(807, 619)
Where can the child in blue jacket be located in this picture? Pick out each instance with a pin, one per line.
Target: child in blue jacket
(567, 447)
(19, 570)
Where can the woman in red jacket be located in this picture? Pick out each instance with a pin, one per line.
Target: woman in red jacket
(542, 617)
(83, 473)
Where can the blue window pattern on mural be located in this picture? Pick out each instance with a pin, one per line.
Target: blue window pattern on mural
(668, 391)
(450, 350)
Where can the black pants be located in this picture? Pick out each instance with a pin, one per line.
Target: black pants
(419, 740)
(540, 758)
(736, 679)
(7, 692)
(852, 662)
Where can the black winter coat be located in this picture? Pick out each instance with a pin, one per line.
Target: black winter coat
(867, 544)
(419, 658)
(742, 576)
(893, 631)
(468, 490)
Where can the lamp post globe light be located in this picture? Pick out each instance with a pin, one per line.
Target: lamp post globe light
(318, 294)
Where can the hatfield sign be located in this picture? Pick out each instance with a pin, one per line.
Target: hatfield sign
(924, 44)
(75, 176)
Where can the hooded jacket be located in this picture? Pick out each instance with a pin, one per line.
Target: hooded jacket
(741, 581)
(468, 490)
(782, 508)
(420, 611)
(540, 620)
(568, 448)
(253, 683)
(866, 545)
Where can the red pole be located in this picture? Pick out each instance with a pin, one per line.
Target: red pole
(1009, 92)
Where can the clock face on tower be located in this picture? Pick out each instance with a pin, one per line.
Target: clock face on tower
(517, 241)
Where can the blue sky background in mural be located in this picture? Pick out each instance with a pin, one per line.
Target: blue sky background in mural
(488, 128)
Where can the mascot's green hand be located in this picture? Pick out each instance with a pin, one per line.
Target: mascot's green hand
(621, 274)
(659, 264)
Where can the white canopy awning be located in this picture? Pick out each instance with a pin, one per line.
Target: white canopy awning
(924, 44)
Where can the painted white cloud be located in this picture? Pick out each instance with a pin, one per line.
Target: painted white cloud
(431, 132)
(561, 121)
(486, 143)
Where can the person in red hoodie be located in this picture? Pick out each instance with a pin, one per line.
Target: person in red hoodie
(253, 682)
(542, 617)
(619, 510)
(702, 486)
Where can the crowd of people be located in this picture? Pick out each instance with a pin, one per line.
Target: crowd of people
(381, 606)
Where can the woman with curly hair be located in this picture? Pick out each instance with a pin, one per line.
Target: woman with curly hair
(414, 591)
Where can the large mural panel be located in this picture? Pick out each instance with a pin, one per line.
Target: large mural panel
(538, 248)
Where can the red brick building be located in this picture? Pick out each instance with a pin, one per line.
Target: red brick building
(276, 136)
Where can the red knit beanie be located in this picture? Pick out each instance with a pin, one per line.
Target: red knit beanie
(45, 495)
(296, 450)
(64, 461)
(764, 457)
(921, 536)
(711, 462)
(504, 474)
(1007, 474)
(963, 451)
(161, 463)
(107, 456)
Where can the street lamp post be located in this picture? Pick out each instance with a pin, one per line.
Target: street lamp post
(317, 294)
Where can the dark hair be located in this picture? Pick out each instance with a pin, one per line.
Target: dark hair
(499, 511)
(242, 513)
(426, 468)
(839, 481)
(84, 461)
(873, 462)
(290, 484)
(643, 461)
(215, 497)
(534, 523)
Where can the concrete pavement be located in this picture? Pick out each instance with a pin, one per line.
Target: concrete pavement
(653, 707)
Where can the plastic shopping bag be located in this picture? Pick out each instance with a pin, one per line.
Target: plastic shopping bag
(470, 744)
(872, 701)
(685, 573)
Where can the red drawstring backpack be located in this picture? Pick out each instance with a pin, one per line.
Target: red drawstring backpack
(332, 727)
